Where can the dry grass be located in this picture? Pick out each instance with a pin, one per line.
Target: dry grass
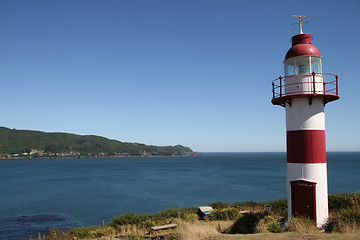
(131, 230)
(197, 230)
(303, 230)
(209, 230)
(201, 230)
(302, 225)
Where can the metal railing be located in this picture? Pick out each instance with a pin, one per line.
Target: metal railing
(328, 87)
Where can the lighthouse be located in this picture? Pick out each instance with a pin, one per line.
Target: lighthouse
(303, 91)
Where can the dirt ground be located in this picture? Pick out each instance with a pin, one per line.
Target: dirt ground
(286, 236)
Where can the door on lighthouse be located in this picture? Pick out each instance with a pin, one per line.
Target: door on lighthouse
(303, 199)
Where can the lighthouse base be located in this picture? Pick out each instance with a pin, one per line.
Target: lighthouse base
(308, 191)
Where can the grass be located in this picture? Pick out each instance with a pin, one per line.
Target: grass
(227, 222)
(301, 225)
(201, 230)
(346, 219)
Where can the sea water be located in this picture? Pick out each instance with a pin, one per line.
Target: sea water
(36, 194)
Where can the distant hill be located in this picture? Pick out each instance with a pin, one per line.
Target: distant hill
(25, 143)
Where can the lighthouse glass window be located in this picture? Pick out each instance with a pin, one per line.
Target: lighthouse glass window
(315, 64)
(289, 67)
(302, 65)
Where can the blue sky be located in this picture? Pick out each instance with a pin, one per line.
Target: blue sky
(162, 72)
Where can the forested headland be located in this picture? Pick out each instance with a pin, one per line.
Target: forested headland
(30, 144)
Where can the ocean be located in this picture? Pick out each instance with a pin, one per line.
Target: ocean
(36, 194)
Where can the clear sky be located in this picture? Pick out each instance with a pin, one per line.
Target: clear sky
(167, 72)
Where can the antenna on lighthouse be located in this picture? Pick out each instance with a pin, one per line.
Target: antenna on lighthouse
(300, 22)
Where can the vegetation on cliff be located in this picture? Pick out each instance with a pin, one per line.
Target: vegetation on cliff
(26, 143)
(244, 220)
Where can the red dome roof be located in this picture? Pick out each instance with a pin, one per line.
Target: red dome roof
(301, 45)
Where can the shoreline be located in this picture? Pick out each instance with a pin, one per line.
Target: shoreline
(255, 219)
(83, 157)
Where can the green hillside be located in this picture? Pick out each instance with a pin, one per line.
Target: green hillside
(26, 143)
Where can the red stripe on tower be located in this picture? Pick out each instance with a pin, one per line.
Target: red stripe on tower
(306, 146)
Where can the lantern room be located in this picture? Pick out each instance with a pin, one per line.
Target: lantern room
(303, 74)
(302, 57)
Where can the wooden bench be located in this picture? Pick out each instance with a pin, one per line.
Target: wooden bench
(163, 227)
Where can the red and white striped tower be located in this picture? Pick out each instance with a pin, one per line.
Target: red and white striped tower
(303, 92)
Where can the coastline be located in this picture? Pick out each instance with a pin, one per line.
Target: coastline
(99, 156)
(84, 157)
(242, 220)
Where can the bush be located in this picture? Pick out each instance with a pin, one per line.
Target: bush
(125, 219)
(246, 224)
(279, 207)
(90, 232)
(345, 213)
(225, 214)
(149, 220)
(54, 234)
(169, 213)
(190, 217)
(269, 224)
(346, 220)
(144, 221)
(174, 213)
(219, 205)
(250, 205)
(343, 200)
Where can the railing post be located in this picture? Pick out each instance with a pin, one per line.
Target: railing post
(273, 85)
(280, 85)
(313, 74)
(337, 90)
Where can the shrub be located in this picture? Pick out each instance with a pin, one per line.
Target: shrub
(190, 217)
(125, 219)
(269, 224)
(279, 207)
(226, 214)
(246, 224)
(250, 205)
(54, 234)
(219, 205)
(81, 232)
(345, 213)
(346, 220)
(169, 213)
(339, 201)
(175, 212)
(90, 232)
(144, 221)
(102, 231)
